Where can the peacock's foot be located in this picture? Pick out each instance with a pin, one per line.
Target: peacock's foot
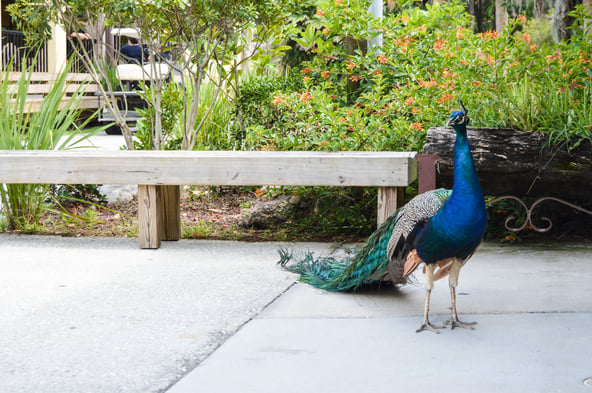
(455, 322)
(430, 327)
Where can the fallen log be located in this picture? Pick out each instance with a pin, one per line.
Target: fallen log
(517, 163)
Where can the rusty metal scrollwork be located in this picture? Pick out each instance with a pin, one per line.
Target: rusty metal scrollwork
(528, 221)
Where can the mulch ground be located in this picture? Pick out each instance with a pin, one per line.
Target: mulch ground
(212, 213)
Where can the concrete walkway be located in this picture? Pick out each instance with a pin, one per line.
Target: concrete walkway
(100, 315)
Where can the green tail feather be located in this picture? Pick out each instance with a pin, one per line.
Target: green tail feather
(367, 266)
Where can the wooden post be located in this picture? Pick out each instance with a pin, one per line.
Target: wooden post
(426, 164)
(149, 216)
(170, 212)
(389, 200)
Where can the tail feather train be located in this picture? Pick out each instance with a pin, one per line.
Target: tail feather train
(367, 266)
(381, 257)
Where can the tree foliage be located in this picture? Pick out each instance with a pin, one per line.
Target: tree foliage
(208, 39)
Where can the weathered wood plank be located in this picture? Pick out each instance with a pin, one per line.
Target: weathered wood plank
(44, 89)
(44, 77)
(517, 163)
(170, 212)
(389, 200)
(34, 104)
(383, 169)
(149, 220)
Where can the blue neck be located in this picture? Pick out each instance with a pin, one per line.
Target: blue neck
(466, 204)
(466, 183)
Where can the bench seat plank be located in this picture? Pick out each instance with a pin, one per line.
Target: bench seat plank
(159, 174)
(383, 169)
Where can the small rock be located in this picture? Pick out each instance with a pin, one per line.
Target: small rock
(267, 213)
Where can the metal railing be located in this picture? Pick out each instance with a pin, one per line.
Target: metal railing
(16, 53)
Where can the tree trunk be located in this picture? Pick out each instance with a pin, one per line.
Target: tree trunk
(561, 19)
(588, 20)
(475, 8)
(517, 163)
(479, 16)
(501, 15)
(540, 8)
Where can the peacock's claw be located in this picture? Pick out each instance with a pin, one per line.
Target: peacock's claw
(455, 322)
(430, 327)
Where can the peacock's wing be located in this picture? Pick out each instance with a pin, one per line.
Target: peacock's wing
(410, 220)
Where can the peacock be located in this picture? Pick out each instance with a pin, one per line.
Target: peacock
(439, 228)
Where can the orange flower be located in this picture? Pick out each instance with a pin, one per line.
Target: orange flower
(306, 71)
(305, 96)
(464, 62)
(323, 143)
(556, 56)
(338, 2)
(439, 45)
(405, 19)
(324, 74)
(350, 64)
(526, 38)
(416, 126)
(355, 78)
(446, 97)
(422, 28)
(427, 84)
(491, 34)
(319, 13)
(521, 18)
(409, 101)
(278, 100)
(328, 58)
(382, 59)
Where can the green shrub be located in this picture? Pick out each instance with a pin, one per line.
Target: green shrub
(256, 100)
(218, 129)
(172, 111)
(386, 98)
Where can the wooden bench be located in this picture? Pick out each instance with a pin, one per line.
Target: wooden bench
(159, 175)
(40, 85)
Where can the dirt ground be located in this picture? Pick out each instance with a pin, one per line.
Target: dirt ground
(213, 213)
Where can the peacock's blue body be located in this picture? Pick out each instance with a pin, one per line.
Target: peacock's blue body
(456, 229)
(441, 228)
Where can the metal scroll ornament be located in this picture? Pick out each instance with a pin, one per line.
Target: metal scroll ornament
(528, 222)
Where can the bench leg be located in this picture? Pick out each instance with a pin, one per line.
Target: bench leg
(149, 221)
(389, 200)
(170, 200)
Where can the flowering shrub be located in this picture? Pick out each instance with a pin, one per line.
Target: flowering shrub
(386, 98)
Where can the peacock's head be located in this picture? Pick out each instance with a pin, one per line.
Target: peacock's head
(459, 117)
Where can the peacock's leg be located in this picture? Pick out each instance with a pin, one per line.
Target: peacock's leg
(429, 286)
(453, 282)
